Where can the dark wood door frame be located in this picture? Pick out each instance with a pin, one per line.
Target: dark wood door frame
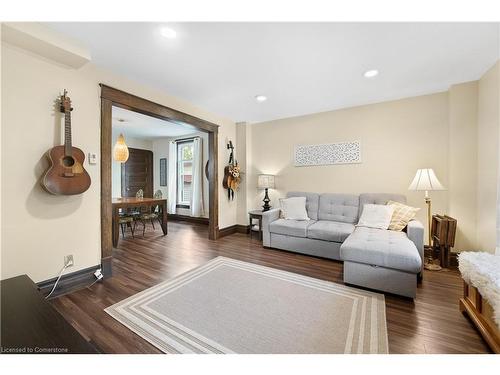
(113, 97)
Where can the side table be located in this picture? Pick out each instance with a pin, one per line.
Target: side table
(255, 214)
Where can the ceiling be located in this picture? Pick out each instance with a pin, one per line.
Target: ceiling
(301, 67)
(140, 126)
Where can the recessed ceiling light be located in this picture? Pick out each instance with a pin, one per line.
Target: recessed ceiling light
(371, 73)
(261, 98)
(167, 32)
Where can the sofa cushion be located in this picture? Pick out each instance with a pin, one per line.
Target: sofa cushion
(312, 202)
(330, 230)
(379, 247)
(376, 216)
(296, 228)
(379, 198)
(339, 207)
(294, 208)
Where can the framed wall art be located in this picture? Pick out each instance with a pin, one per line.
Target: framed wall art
(163, 172)
(328, 153)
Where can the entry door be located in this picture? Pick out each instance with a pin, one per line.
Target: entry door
(137, 173)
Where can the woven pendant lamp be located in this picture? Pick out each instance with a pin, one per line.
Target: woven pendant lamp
(120, 150)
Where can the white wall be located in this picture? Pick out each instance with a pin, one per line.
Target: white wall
(116, 167)
(457, 133)
(488, 158)
(161, 148)
(39, 229)
(462, 162)
(397, 138)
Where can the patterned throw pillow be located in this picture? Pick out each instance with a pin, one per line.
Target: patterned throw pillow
(401, 216)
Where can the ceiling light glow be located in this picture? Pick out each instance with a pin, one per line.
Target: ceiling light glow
(167, 32)
(261, 98)
(371, 73)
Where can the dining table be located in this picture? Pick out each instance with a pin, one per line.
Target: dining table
(133, 202)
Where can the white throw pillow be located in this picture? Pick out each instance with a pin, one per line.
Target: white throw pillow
(294, 208)
(376, 216)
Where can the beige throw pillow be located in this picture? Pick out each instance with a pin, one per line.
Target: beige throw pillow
(401, 216)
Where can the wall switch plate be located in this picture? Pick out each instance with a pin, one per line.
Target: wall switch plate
(68, 260)
(92, 158)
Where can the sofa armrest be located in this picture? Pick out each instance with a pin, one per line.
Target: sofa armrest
(415, 232)
(267, 218)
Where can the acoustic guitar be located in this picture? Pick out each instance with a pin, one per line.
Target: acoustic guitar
(227, 173)
(66, 175)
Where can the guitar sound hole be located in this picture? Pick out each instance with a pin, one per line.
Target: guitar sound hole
(68, 161)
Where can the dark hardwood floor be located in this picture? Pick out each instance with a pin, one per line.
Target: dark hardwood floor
(430, 324)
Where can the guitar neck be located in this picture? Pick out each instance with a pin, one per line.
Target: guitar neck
(68, 149)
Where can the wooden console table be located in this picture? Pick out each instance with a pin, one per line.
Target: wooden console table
(31, 325)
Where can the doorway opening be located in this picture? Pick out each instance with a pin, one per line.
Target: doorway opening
(181, 198)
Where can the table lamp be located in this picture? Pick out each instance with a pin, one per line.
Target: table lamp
(266, 181)
(426, 180)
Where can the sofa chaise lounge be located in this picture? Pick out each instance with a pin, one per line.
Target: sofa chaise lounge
(379, 259)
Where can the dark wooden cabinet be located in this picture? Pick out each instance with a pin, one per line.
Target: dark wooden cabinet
(29, 323)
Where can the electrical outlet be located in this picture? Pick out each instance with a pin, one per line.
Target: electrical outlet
(68, 260)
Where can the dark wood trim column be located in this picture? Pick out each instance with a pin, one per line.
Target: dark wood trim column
(213, 186)
(106, 214)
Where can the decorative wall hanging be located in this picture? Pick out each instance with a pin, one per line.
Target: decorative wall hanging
(232, 174)
(163, 172)
(326, 154)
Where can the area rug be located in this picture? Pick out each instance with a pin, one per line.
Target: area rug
(230, 306)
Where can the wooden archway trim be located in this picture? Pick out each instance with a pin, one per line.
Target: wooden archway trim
(113, 97)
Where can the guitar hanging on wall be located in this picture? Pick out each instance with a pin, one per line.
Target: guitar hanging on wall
(66, 175)
(232, 174)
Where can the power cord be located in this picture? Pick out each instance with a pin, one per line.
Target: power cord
(57, 281)
(98, 276)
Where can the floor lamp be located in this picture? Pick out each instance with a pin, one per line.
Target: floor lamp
(426, 180)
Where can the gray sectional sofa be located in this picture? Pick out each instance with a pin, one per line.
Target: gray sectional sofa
(373, 258)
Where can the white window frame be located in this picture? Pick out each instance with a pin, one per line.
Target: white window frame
(180, 163)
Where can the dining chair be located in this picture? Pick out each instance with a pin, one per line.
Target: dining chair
(135, 212)
(126, 221)
(151, 215)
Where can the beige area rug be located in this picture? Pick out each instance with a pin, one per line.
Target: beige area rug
(229, 306)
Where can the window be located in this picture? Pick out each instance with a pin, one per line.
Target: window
(184, 172)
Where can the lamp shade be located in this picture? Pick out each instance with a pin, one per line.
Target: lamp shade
(265, 181)
(425, 180)
(120, 150)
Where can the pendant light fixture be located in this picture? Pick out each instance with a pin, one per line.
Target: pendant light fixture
(120, 151)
